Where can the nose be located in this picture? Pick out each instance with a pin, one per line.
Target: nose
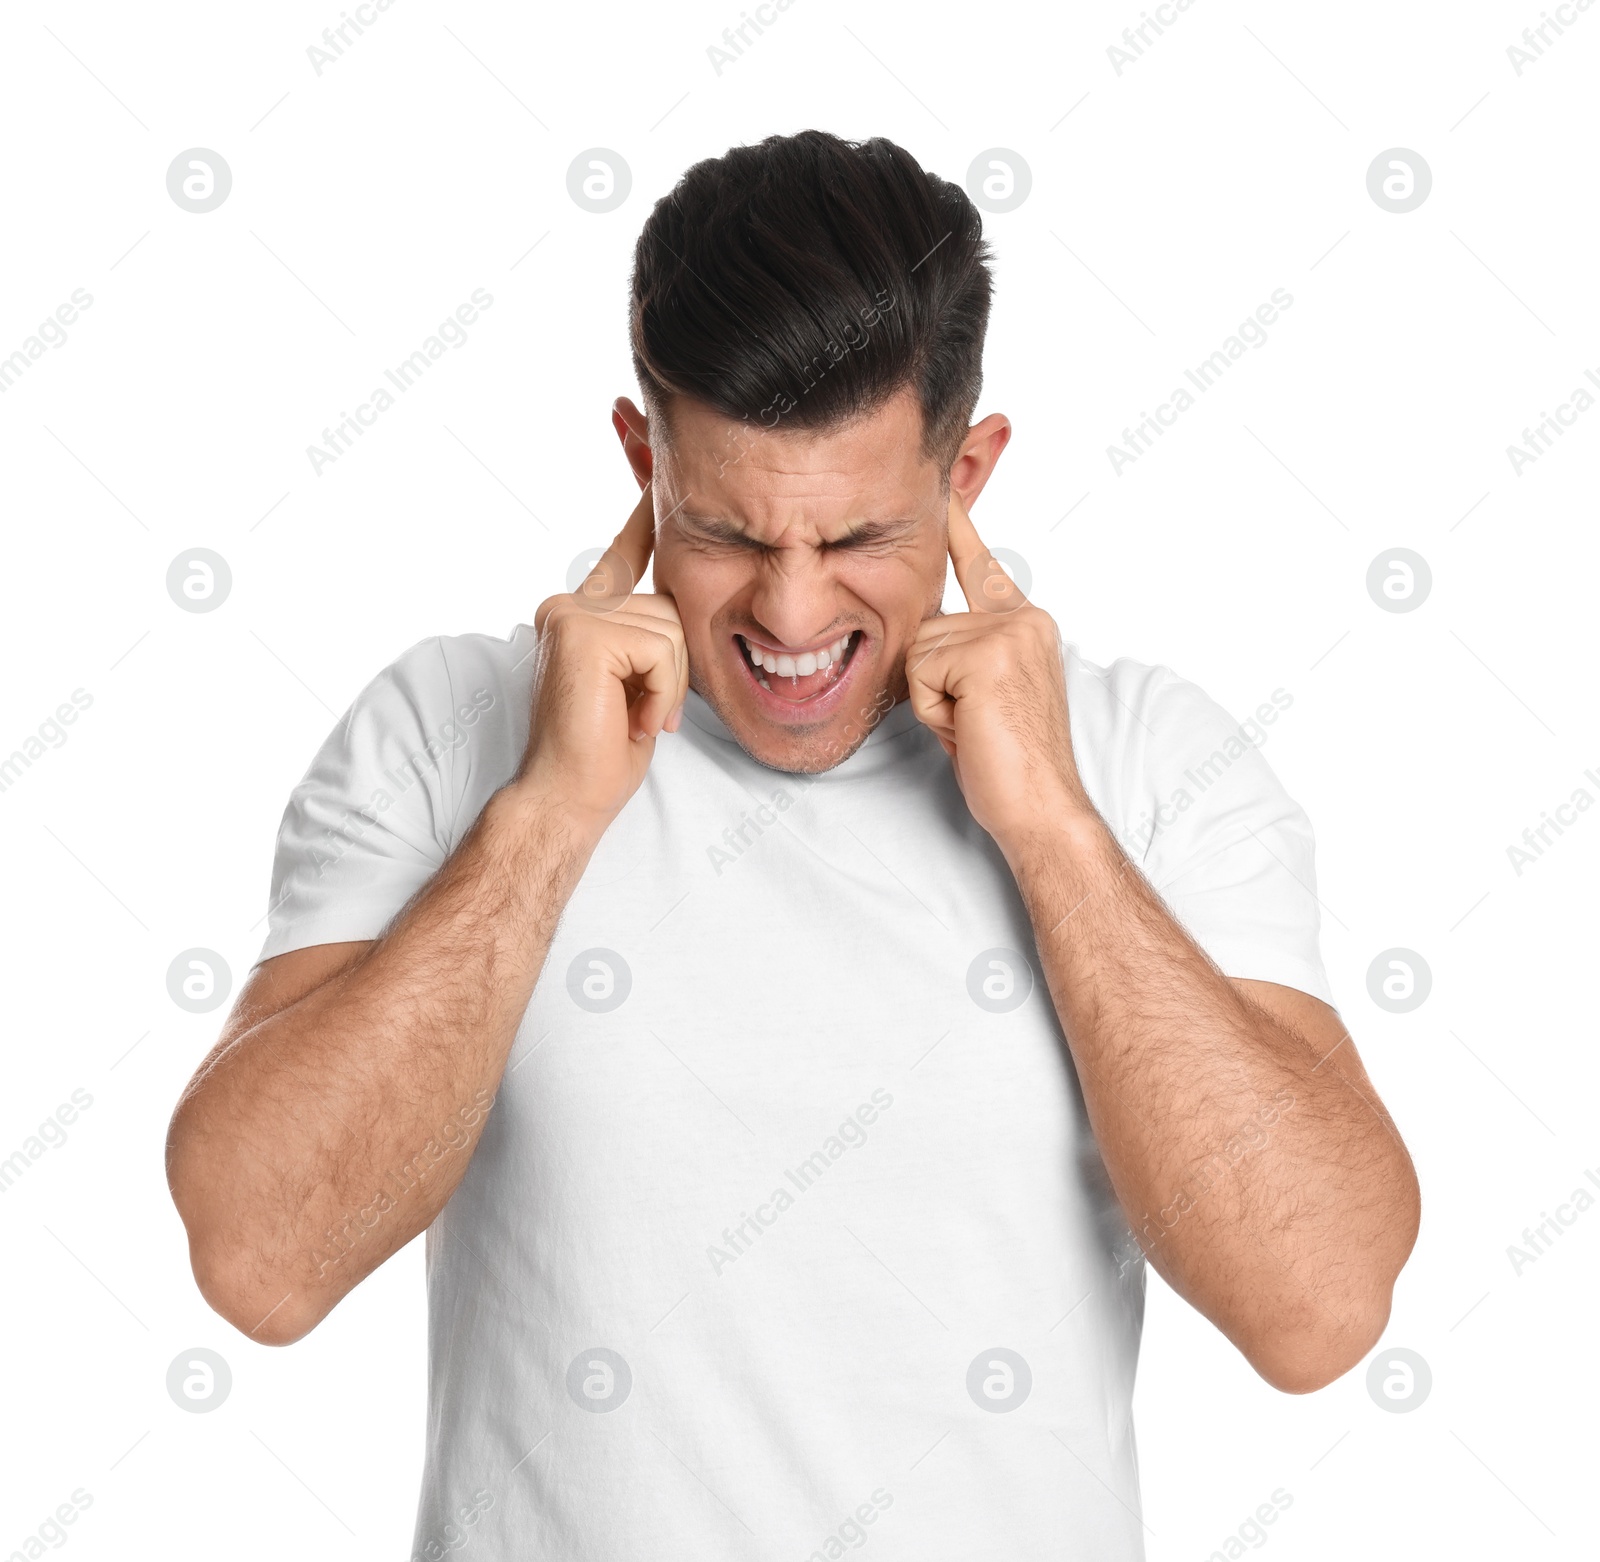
(797, 601)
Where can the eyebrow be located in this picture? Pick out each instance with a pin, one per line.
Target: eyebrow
(717, 528)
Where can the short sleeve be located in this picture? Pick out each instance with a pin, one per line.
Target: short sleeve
(1229, 851)
(369, 824)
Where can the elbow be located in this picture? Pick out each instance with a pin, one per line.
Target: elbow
(262, 1306)
(239, 1282)
(1307, 1358)
(1328, 1334)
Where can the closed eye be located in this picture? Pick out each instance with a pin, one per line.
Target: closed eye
(718, 534)
(874, 534)
(714, 533)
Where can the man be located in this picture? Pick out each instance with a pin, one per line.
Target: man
(791, 1010)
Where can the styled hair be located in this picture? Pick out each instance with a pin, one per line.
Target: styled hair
(802, 282)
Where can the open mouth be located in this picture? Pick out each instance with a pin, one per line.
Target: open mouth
(800, 679)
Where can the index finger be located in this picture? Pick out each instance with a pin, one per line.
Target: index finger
(621, 567)
(984, 583)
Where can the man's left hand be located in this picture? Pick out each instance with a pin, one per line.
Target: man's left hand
(990, 684)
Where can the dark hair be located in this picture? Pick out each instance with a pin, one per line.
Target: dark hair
(804, 281)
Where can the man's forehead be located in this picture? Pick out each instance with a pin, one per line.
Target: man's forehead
(887, 437)
(730, 475)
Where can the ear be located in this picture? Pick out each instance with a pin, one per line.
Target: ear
(979, 453)
(633, 429)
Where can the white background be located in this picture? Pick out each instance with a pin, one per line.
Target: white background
(1167, 203)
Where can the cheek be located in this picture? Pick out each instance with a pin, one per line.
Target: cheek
(899, 588)
(700, 585)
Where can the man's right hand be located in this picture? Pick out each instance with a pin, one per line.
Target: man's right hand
(401, 1033)
(611, 676)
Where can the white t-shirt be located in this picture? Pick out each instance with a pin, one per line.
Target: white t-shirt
(787, 1233)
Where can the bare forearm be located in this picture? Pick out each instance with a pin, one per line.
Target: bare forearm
(319, 1140)
(1264, 1181)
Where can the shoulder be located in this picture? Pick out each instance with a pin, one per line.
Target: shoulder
(1150, 711)
(417, 751)
(436, 690)
(1114, 695)
(1133, 713)
(1148, 740)
(1184, 785)
(443, 672)
(449, 710)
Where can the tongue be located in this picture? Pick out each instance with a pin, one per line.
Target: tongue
(796, 688)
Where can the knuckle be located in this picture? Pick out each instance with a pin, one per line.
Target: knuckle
(655, 644)
(1006, 656)
(554, 621)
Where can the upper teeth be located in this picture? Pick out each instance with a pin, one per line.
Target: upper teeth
(797, 666)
